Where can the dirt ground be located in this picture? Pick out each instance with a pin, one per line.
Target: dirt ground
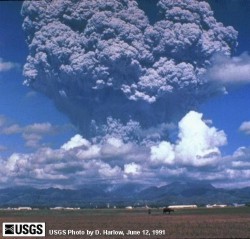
(137, 223)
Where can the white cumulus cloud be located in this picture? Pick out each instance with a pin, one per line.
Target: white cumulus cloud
(7, 65)
(75, 142)
(132, 169)
(245, 127)
(195, 154)
(163, 153)
(197, 144)
(226, 70)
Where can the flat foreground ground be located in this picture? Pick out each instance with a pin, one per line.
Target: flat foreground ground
(109, 223)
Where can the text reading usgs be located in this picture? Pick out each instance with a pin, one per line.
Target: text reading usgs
(23, 229)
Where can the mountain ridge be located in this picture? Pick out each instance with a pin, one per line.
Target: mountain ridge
(177, 192)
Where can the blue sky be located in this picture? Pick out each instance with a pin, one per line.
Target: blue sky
(34, 132)
(20, 105)
(231, 110)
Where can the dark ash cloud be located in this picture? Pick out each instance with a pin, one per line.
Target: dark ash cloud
(101, 60)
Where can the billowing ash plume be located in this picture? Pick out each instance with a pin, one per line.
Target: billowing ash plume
(101, 60)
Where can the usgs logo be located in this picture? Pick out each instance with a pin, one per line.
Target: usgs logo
(23, 229)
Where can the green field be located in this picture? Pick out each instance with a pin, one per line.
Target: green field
(183, 223)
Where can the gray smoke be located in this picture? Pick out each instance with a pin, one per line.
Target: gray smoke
(101, 60)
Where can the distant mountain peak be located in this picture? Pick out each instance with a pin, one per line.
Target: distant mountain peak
(177, 192)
